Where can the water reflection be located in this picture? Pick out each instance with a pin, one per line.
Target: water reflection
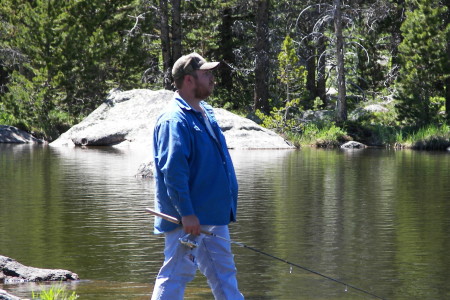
(377, 219)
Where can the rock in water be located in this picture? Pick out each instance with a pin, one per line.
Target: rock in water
(353, 145)
(12, 271)
(4, 295)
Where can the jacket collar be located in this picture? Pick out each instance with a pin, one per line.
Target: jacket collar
(183, 104)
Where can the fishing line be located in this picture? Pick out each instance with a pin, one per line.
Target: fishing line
(291, 264)
(301, 267)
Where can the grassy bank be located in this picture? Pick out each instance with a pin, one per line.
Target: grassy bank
(427, 138)
(329, 135)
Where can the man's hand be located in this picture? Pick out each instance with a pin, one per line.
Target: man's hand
(191, 224)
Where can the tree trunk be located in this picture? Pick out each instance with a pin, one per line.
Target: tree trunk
(321, 71)
(447, 99)
(447, 66)
(311, 75)
(341, 107)
(261, 93)
(226, 49)
(176, 30)
(447, 83)
(165, 44)
(4, 76)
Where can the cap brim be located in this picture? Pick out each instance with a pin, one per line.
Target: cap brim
(209, 65)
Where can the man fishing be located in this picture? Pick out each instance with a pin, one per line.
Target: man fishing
(195, 182)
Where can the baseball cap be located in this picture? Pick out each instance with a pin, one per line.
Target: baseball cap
(187, 64)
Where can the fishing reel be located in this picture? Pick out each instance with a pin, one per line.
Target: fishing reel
(188, 242)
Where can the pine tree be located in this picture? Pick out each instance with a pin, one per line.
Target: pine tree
(292, 75)
(100, 53)
(224, 31)
(422, 55)
(74, 53)
(30, 90)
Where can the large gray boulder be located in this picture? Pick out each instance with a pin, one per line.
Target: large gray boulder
(12, 271)
(13, 135)
(127, 118)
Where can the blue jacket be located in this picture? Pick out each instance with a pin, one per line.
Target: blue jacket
(194, 173)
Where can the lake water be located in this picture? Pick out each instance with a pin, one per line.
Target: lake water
(375, 219)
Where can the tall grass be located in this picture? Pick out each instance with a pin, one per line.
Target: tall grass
(55, 293)
(427, 138)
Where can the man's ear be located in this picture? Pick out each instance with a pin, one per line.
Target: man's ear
(188, 79)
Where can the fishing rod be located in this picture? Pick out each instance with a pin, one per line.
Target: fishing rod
(176, 221)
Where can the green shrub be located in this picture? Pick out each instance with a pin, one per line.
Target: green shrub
(320, 135)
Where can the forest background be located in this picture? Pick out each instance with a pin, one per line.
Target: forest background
(306, 69)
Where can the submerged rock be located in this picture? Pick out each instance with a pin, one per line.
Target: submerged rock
(12, 271)
(127, 118)
(145, 170)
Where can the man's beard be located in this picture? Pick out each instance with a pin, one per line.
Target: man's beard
(201, 91)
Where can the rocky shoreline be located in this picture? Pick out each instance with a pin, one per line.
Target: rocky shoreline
(127, 118)
(13, 272)
(13, 135)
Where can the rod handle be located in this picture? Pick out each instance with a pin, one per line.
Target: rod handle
(172, 219)
(164, 216)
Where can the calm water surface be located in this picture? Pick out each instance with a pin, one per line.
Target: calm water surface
(375, 219)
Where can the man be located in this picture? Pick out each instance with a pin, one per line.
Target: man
(195, 182)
